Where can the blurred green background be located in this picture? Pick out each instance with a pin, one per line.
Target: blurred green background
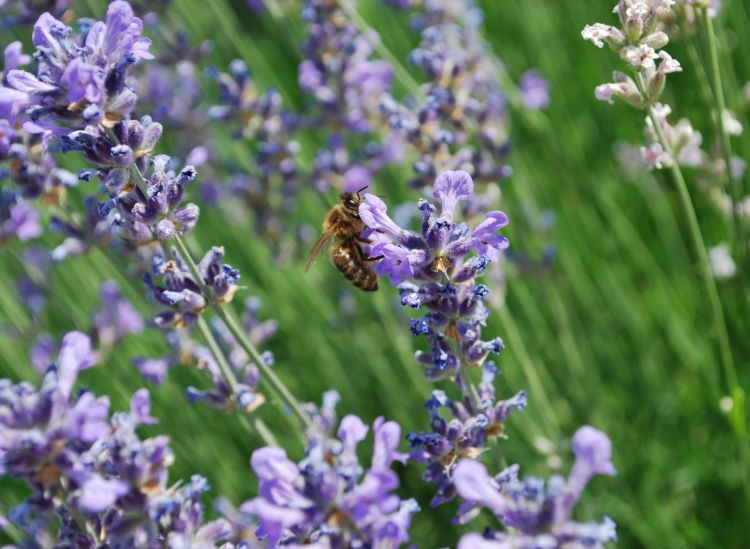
(616, 334)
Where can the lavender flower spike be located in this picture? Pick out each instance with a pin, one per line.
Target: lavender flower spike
(441, 264)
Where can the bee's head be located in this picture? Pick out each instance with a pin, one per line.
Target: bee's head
(351, 201)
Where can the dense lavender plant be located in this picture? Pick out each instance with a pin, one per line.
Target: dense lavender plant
(90, 469)
(436, 270)
(328, 499)
(459, 120)
(78, 98)
(346, 85)
(270, 189)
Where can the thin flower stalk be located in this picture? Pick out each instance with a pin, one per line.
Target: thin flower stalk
(639, 41)
(699, 246)
(277, 385)
(252, 421)
(726, 144)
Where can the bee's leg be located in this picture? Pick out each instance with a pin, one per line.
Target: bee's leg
(377, 258)
(363, 240)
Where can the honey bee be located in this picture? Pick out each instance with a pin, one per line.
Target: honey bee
(342, 223)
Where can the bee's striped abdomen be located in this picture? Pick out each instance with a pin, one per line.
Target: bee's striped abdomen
(350, 261)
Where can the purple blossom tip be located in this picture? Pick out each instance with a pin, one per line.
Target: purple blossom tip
(593, 449)
(473, 484)
(98, 494)
(450, 188)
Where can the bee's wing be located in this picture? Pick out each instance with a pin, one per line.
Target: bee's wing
(322, 241)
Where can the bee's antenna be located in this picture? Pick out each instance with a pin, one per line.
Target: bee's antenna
(362, 189)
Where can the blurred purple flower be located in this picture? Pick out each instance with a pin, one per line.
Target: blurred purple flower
(116, 318)
(534, 90)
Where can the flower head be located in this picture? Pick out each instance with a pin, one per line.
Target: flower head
(329, 498)
(440, 265)
(538, 513)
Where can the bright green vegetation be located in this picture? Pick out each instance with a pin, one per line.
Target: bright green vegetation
(616, 335)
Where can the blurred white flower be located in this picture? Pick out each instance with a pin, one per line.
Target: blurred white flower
(722, 264)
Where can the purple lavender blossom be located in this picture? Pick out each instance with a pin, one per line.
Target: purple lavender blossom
(182, 294)
(537, 514)
(154, 212)
(18, 218)
(270, 130)
(327, 498)
(153, 369)
(80, 76)
(116, 318)
(346, 85)
(440, 265)
(534, 90)
(465, 435)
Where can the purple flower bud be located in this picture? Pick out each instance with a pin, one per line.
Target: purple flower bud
(450, 188)
(154, 370)
(534, 90)
(98, 494)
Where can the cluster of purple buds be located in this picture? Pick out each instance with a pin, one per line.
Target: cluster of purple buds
(246, 396)
(115, 154)
(169, 89)
(152, 211)
(536, 513)
(184, 296)
(328, 499)
(269, 131)
(338, 71)
(346, 86)
(465, 435)
(436, 269)
(638, 41)
(461, 123)
(90, 469)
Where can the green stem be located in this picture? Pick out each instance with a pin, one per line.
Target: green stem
(699, 246)
(468, 387)
(252, 421)
(470, 391)
(726, 143)
(276, 384)
(13, 532)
